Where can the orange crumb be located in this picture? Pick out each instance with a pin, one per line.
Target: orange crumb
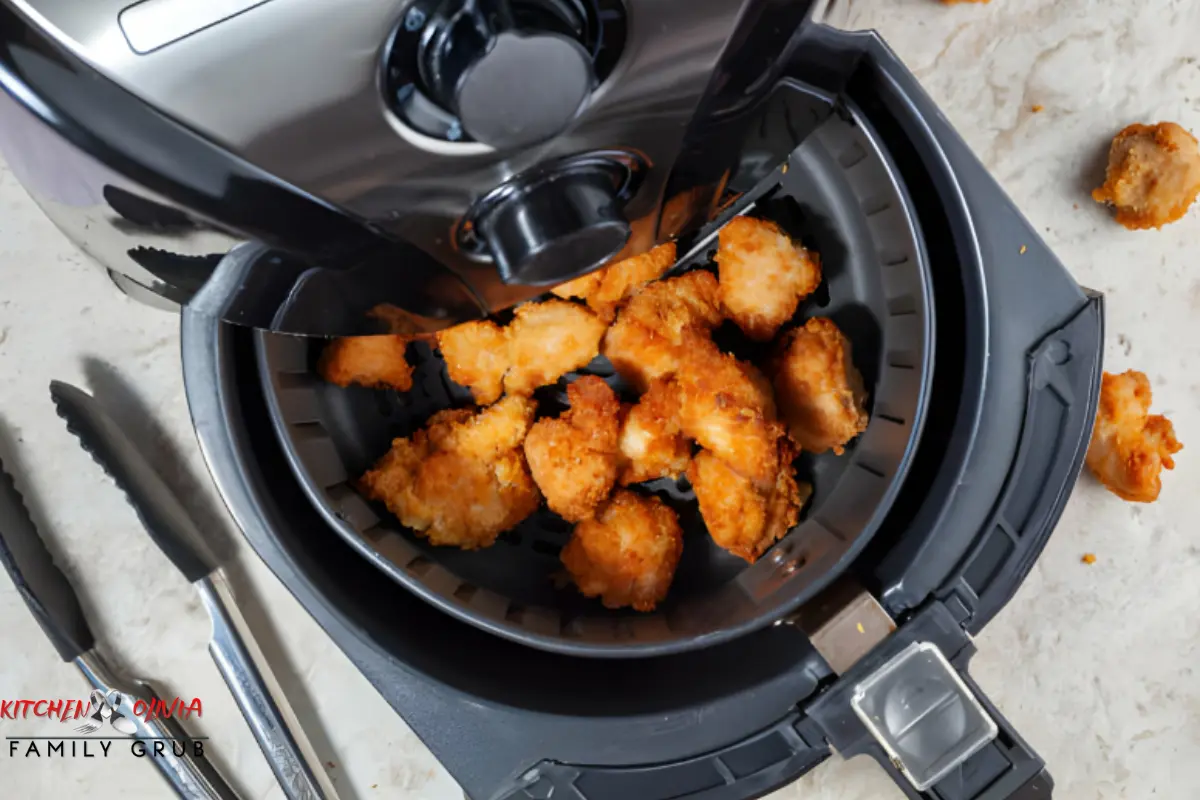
(1038, 108)
(1088, 558)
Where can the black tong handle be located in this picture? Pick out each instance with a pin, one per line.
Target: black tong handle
(38, 579)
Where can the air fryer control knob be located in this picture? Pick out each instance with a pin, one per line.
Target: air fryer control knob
(509, 87)
(554, 229)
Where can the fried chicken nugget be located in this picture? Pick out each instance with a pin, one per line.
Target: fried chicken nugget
(740, 517)
(462, 480)
(652, 443)
(574, 458)
(819, 390)
(606, 289)
(487, 434)
(580, 288)
(377, 362)
(661, 324)
(627, 554)
(727, 407)
(477, 356)
(763, 276)
(547, 340)
(1153, 175)
(1130, 448)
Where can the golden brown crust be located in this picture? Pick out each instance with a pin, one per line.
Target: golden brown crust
(652, 444)
(1129, 447)
(740, 517)
(726, 406)
(607, 289)
(1153, 175)
(581, 287)
(462, 480)
(547, 340)
(477, 357)
(819, 390)
(377, 362)
(486, 434)
(764, 275)
(661, 324)
(627, 554)
(573, 458)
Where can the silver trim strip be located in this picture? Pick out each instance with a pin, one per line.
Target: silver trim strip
(152, 24)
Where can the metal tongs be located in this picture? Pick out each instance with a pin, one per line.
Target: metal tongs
(232, 646)
(57, 609)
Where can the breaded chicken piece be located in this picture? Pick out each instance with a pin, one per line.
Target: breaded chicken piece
(477, 357)
(740, 517)
(574, 458)
(660, 324)
(606, 289)
(1130, 448)
(581, 287)
(652, 443)
(627, 554)
(462, 480)
(376, 362)
(547, 340)
(726, 406)
(1153, 175)
(763, 275)
(487, 434)
(819, 390)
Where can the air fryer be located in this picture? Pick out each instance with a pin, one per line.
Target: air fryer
(394, 178)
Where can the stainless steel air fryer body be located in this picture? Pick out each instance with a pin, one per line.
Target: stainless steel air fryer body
(447, 157)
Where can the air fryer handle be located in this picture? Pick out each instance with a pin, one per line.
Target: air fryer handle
(1006, 769)
(748, 768)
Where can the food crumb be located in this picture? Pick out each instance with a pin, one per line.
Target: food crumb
(374, 785)
(785, 169)
(1023, 249)
(1075, 206)
(1088, 558)
(1038, 108)
(860, 628)
(331, 765)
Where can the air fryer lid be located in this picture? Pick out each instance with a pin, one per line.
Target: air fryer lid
(839, 194)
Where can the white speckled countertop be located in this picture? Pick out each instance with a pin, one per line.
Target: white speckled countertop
(1093, 664)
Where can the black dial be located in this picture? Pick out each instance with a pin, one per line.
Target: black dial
(555, 230)
(556, 221)
(510, 73)
(510, 86)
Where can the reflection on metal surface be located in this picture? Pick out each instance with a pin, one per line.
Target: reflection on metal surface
(259, 697)
(152, 24)
(311, 163)
(192, 778)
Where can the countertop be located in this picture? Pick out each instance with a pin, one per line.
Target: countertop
(1092, 663)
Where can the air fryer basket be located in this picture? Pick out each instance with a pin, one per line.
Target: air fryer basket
(840, 194)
